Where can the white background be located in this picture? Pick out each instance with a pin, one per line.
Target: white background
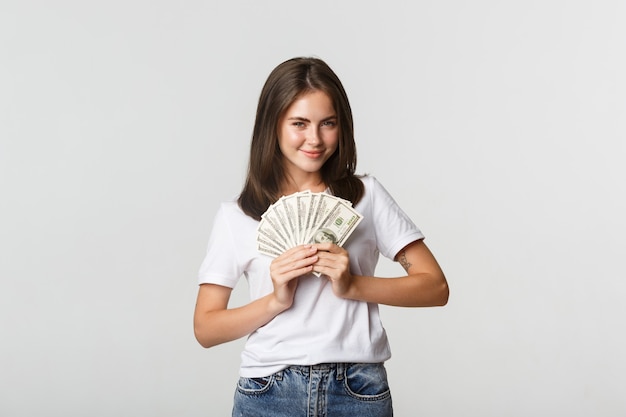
(499, 126)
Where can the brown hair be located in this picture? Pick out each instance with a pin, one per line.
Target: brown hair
(285, 84)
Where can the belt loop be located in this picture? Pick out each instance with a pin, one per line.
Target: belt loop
(278, 376)
(341, 370)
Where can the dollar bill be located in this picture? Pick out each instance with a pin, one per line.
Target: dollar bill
(305, 217)
(323, 206)
(270, 222)
(290, 208)
(268, 248)
(267, 233)
(337, 226)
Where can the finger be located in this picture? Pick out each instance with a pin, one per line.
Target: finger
(330, 263)
(291, 274)
(328, 255)
(298, 252)
(294, 265)
(296, 258)
(332, 274)
(329, 247)
(330, 258)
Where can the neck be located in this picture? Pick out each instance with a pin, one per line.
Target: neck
(292, 185)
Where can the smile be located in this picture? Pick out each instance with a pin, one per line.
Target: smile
(312, 154)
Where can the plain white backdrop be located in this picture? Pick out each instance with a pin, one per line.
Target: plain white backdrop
(500, 127)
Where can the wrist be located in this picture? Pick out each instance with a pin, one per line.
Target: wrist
(275, 306)
(352, 290)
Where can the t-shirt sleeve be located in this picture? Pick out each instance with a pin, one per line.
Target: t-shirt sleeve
(220, 265)
(394, 229)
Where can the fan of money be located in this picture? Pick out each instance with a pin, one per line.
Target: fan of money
(305, 217)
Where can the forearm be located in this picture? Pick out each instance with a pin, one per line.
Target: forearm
(224, 325)
(416, 290)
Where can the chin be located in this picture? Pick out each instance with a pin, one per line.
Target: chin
(313, 169)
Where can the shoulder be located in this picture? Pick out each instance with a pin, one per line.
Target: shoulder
(376, 195)
(230, 206)
(370, 187)
(230, 212)
(371, 184)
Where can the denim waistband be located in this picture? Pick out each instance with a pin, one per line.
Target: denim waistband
(320, 368)
(338, 368)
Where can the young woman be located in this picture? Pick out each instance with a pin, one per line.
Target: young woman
(316, 345)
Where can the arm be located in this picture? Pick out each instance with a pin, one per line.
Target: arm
(424, 286)
(215, 323)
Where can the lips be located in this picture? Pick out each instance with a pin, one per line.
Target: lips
(312, 154)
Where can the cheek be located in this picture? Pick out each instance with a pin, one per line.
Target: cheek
(283, 141)
(333, 143)
(289, 139)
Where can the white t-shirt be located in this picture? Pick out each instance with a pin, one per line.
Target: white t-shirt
(319, 327)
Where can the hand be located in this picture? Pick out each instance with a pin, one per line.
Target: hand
(286, 268)
(334, 262)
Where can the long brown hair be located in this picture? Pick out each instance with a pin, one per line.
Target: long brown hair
(285, 84)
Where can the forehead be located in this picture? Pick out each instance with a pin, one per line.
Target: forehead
(312, 101)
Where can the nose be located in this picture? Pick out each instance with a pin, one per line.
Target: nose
(313, 136)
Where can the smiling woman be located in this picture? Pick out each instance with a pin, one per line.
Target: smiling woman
(307, 138)
(285, 87)
(313, 326)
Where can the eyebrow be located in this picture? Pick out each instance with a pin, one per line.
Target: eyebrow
(304, 119)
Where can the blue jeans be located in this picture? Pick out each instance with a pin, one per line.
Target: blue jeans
(325, 390)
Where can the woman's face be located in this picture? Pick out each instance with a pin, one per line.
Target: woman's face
(308, 134)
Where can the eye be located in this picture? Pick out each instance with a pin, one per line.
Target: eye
(329, 123)
(298, 124)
